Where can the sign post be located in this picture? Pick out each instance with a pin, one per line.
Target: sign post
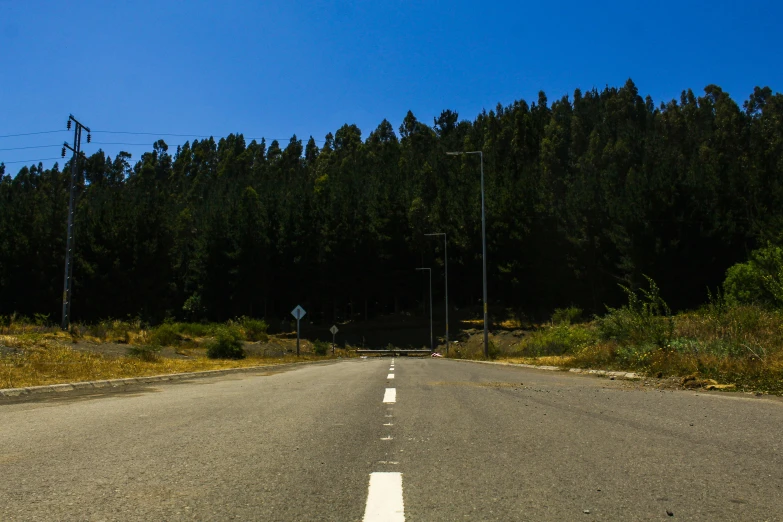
(298, 313)
(334, 331)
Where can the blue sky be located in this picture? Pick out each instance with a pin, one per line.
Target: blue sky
(275, 69)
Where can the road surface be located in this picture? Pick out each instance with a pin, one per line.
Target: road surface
(404, 439)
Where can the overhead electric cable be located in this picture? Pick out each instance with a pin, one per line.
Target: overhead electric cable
(187, 135)
(35, 147)
(30, 133)
(30, 160)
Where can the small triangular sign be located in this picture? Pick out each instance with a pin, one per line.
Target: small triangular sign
(298, 312)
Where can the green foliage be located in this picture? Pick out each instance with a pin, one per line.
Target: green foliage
(194, 329)
(321, 347)
(193, 308)
(163, 335)
(559, 339)
(148, 353)
(646, 319)
(255, 329)
(493, 350)
(42, 320)
(569, 315)
(585, 190)
(759, 280)
(744, 284)
(227, 343)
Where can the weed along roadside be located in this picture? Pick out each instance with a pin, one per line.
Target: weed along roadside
(725, 346)
(36, 355)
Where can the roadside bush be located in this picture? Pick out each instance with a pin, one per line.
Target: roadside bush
(194, 329)
(556, 340)
(255, 329)
(569, 315)
(147, 353)
(757, 281)
(493, 350)
(744, 284)
(635, 357)
(163, 335)
(645, 319)
(320, 347)
(227, 344)
(42, 320)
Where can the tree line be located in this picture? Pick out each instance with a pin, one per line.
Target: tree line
(593, 190)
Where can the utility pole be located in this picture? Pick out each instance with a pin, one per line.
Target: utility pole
(446, 268)
(69, 242)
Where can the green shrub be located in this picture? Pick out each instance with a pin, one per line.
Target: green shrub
(193, 307)
(148, 353)
(321, 347)
(556, 340)
(194, 329)
(645, 319)
(757, 281)
(42, 320)
(635, 357)
(163, 335)
(493, 350)
(255, 329)
(569, 315)
(744, 284)
(227, 344)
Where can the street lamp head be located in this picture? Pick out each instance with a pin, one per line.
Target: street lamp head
(436, 234)
(454, 153)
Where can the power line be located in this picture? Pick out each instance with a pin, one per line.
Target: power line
(154, 134)
(30, 133)
(120, 143)
(34, 147)
(147, 134)
(29, 161)
(184, 136)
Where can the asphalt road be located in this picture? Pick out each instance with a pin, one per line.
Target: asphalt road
(465, 441)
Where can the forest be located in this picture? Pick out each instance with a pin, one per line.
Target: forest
(583, 194)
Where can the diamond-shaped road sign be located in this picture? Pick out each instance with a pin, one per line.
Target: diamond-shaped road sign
(298, 312)
(334, 330)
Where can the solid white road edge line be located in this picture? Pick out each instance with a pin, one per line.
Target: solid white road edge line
(390, 396)
(384, 499)
(390, 376)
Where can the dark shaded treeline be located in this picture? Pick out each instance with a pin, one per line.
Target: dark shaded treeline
(588, 192)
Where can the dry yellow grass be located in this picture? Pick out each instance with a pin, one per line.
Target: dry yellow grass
(565, 361)
(52, 361)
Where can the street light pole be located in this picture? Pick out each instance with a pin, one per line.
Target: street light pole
(432, 339)
(446, 265)
(483, 246)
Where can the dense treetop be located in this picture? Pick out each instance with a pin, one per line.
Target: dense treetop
(592, 190)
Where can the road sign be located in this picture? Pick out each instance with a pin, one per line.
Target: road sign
(298, 312)
(334, 331)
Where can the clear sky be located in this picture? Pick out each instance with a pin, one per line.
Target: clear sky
(279, 68)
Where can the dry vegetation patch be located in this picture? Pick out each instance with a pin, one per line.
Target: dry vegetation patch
(719, 346)
(33, 355)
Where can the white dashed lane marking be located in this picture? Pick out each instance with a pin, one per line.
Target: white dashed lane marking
(390, 396)
(390, 376)
(384, 500)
